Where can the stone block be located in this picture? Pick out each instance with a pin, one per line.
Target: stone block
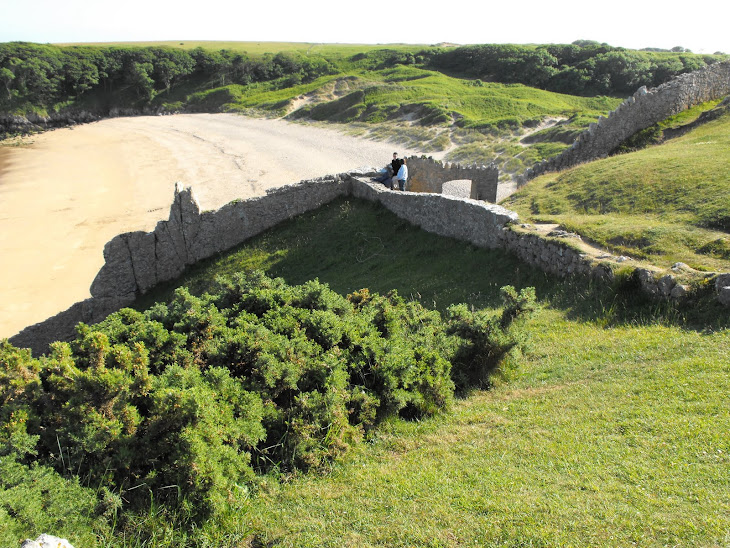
(117, 274)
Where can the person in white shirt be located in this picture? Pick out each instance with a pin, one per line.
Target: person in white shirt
(402, 175)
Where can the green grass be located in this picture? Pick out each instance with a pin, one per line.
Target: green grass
(385, 88)
(611, 432)
(352, 244)
(418, 107)
(396, 91)
(666, 203)
(605, 437)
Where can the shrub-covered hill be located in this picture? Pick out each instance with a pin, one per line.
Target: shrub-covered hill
(665, 203)
(183, 404)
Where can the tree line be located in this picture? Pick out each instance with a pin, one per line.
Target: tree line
(581, 68)
(45, 76)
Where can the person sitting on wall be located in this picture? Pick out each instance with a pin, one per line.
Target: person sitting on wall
(402, 175)
(386, 177)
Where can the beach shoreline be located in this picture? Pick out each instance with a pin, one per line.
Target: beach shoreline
(69, 191)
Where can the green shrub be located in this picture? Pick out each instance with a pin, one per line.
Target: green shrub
(36, 499)
(487, 338)
(719, 248)
(181, 405)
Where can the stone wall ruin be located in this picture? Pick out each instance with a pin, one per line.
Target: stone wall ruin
(137, 261)
(643, 109)
(429, 175)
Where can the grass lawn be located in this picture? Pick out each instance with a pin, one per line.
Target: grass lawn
(604, 437)
(666, 203)
(612, 431)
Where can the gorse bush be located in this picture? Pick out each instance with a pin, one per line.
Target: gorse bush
(185, 402)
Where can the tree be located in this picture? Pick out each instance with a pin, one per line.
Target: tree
(138, 76)
(80, 73)
(7, 77)
(623, 71)
(171, 64)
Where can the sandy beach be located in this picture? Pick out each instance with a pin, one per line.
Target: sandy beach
(69, 191)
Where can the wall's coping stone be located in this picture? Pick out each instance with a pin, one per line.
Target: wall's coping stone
(135, 262)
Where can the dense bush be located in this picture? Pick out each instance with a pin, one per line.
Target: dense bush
(581, 68)
(44, 75)
(185, 402)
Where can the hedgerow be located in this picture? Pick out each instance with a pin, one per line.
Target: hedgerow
(184, 403)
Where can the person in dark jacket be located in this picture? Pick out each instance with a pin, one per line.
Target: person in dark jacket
(396, 163)
(387, 176)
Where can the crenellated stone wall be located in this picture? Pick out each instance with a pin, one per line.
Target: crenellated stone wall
(137, 261)
(429, 175)
(640, 111)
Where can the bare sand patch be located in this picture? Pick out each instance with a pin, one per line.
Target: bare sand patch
(71, 190)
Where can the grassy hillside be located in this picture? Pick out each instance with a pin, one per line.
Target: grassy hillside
(425, 109)
(607, 433)
(665, 203)
(609, 428)
(508, 104)
(604, 437)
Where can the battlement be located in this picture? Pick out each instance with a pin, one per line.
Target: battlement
(429, 175)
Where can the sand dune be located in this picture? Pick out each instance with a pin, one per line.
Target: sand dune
(71, 190)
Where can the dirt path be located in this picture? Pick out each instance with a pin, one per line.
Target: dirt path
(70, 191)
(587, 247)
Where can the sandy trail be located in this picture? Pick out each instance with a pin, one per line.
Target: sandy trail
(72, 190)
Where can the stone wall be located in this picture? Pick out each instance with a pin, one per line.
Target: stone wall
(429, 175)
(643, 109)
(134, 262)
(137, 261)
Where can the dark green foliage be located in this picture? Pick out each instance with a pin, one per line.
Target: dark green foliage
(20, 388)
(487, 336)
(42, 75)
(184, 402)
(35, 499)
(641, 139)
(45, 78)
(719, 248)
(581, 68)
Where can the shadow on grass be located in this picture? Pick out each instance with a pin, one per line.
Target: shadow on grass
(351, 244)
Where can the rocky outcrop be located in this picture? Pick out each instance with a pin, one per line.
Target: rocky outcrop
(17, 125)
(11, 124)
(722, 287)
